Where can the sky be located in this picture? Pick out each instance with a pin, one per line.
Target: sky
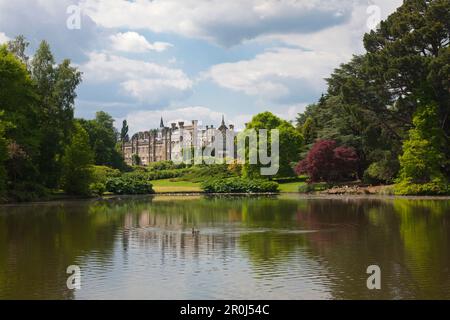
(196, 59)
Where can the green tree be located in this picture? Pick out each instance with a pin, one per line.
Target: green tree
(308, 131)
(18, 46)
(56, 88)
(124, 132)
(103, 139)
(18, 103)
(422, 162)
(77, 163)
(371, 100)
(409, 58)
(3, 154)
(290, 143)
(136, 160)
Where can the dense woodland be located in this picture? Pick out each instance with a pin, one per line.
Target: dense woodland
(384, 119)
(392, 104)
(43, 147)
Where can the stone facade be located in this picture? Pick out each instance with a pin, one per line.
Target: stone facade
(167, 143)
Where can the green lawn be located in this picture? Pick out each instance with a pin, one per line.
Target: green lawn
(290, 187)
(168, 186)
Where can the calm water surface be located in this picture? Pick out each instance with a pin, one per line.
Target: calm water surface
(284, 247)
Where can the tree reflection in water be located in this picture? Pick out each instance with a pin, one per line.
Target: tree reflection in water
(248, 247)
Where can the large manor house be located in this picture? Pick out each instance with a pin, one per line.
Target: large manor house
(169, 143)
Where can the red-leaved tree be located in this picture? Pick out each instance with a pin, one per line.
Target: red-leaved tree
(328, 162)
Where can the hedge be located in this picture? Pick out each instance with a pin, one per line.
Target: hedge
(239, 185)
(129, 184)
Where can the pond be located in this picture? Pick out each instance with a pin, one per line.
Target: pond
(260, 247)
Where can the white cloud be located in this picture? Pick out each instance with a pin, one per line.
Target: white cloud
(290, 113)
(345, 39)
(281, 74)
(225, 22)
(47, 19)
(145, 81)
(294, 74)
(3, 38)
(134, 42)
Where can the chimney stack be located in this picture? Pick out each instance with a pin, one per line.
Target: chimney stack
(181, 124)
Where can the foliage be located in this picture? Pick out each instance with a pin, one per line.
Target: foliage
(18, 47)
(235, 168)
(56, 91)
(422, 170)
(124, 132)
(18, 105)
(308, 130)
(164, 165)
(97, 189)
(129, 184)
(371, 100)
(389, 106)
(239, 185)
(103, 138)
(100, 174)
(405, 53)
(437, 186)
(381, 171)
(201, 173)
(136, 160)
(3, 155)
(328, 162)
(76, 163)
(158, 175)
(313, 187)
(25, 191)
(290, 143)
(302, 178)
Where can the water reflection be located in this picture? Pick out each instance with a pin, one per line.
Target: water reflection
(284, 247)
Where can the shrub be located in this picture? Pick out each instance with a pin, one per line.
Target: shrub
(158, 175)
(3, 154)
(136, 160)
(97, 189)
(328, 162)
(100, 174)
(206, 172)
(239, 185)
(27, 191)
(290, 179)
(165, 165)
(77, 163)
(382, 171)
(313, 187)
(435, 187)
(306, 188)
(423, 158)
(129, 184)
(235, 168)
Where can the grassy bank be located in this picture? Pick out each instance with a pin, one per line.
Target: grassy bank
(170, 186)
(291, 187)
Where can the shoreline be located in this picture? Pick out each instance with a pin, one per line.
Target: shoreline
(310, 196)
